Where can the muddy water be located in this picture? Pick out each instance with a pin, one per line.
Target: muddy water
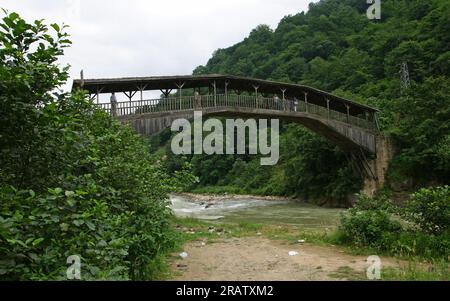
(257, 211)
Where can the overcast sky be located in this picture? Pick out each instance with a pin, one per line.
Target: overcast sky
(151, 37)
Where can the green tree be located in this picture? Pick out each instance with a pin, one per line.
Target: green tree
(73, 181)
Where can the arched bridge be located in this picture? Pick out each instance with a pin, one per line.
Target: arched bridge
(350, 125)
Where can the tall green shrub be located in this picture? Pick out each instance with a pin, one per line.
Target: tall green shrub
(73, 181)
(429, 208)
(366, 223)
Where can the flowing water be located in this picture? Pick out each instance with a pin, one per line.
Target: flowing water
(256, 210)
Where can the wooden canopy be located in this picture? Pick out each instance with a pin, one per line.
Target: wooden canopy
(232, 83)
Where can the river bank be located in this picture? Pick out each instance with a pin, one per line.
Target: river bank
(229, 237)
(247, 251)
(201, 197)
(234, 192)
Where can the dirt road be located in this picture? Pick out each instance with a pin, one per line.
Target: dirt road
(259, 258)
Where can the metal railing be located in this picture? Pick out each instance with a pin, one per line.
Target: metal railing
(231, 100)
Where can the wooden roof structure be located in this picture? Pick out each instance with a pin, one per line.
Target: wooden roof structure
(236, 83)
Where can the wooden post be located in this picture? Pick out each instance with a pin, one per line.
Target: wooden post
(141, 89)
(328, 108)
(166, 105)
(348, 113)
(166, 92)
(180, 87)
(130, 97)
(215, 93)
(256, 95)
(97, 94)
(306, 101)
(127, 109)
(283, 91)
(226, 92)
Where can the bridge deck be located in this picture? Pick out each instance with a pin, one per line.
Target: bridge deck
(129, 109)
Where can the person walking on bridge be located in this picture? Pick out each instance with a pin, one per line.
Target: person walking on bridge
(113, 100)
(197, 100)
(277, 102)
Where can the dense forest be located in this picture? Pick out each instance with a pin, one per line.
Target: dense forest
(335, 47)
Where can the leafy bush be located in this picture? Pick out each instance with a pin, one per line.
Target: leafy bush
(373, 222)
(429, 208)
(366, 223)
(109, 208)
(38, 233)
(73, 181)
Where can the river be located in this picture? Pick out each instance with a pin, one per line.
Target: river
(255, 210)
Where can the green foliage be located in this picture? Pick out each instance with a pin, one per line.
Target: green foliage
(28, 75)
(73, 181)
(336, 48)
(437, 271)
(429, 208)
(423, 127)
(373, 222)
(365, 224)
(413, 243)
(314, 168)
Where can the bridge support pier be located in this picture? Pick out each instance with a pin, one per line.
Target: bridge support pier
(379, 165)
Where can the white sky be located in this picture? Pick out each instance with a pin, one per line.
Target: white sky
(154, 37)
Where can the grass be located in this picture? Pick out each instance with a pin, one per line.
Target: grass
(346, 272)
(436, 271)
(193, 229)
(414, 271)
(160, 268)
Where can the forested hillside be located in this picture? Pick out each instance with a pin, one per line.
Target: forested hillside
(335, 47)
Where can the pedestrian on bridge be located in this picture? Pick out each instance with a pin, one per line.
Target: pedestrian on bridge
(197, 100)
(113, 100)
(277, 102)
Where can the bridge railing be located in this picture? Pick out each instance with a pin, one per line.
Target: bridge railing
(231, 100)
